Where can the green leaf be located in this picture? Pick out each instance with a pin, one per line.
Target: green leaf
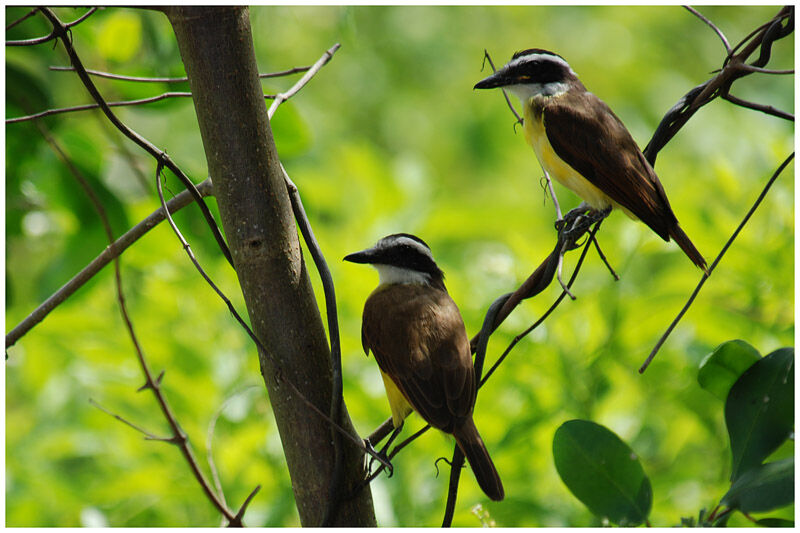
(763, 488)
(602, 472)
(775, 522)
(721, 368)
(759, 411)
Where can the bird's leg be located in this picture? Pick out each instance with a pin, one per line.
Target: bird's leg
(559, 278)
(382, 455)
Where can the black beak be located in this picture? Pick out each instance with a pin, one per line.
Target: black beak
(498, 79)
(364, 256)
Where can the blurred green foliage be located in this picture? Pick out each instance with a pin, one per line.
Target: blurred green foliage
(388, 137)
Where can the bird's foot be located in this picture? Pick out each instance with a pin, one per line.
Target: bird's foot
(379, 456)
(578, 221)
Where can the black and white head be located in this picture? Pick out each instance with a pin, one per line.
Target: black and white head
(533, 72)
(401, 258)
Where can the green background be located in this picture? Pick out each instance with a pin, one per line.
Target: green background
(388, 137)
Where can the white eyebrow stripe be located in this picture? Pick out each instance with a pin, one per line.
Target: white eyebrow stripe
(536, 57)
(415, 244)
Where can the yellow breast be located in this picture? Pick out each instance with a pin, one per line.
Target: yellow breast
(397, 402)
(554, 165)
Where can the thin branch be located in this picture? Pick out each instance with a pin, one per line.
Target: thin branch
(180, 201)
(335, 492)
(140, 79)
(488, 58)
(603, 258)
(86, 107)
(751, 68)
(768, 109)
(159, 155)
(722, 252)
(237, 520)
(147, 434)
(712, 26)
(53, 34)
(30, 13)
(210, 441)
(282, 97)
(122, 103)
(452, 487)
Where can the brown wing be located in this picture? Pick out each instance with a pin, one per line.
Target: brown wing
(418, 338)
(589, 137)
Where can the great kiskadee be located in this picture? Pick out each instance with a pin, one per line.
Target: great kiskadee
(581, 143)
(418, 338)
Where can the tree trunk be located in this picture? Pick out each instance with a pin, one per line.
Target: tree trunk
(216, 46)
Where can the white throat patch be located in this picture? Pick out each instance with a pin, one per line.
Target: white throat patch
(389, 274)
(526, 91)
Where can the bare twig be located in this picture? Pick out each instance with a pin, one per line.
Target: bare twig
(768, 109)
(456, 465)
(141, 79)
(335, 491)
(106, 256)
(488, 58)
(29, 14)
(62, 32)
(282, 97)
(53, 34)
(751, 68)
(86, 107)
(210, 440)
(712, 26)
(714, 264)
(147, 435)
(237, 520)
(603, 258)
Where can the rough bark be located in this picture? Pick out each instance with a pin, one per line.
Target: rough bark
(217, 50)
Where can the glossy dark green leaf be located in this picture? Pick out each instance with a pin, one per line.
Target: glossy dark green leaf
(763, 488)
(602, 472)
(759, 411)
(775, 522)
(721, 368)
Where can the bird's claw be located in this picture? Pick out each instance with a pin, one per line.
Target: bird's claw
(578, 221)
(379, 456)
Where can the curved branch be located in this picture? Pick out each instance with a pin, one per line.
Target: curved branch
(713, 26)
(722, 252)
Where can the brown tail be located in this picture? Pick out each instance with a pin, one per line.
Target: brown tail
(688, 248)
(472, 445)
